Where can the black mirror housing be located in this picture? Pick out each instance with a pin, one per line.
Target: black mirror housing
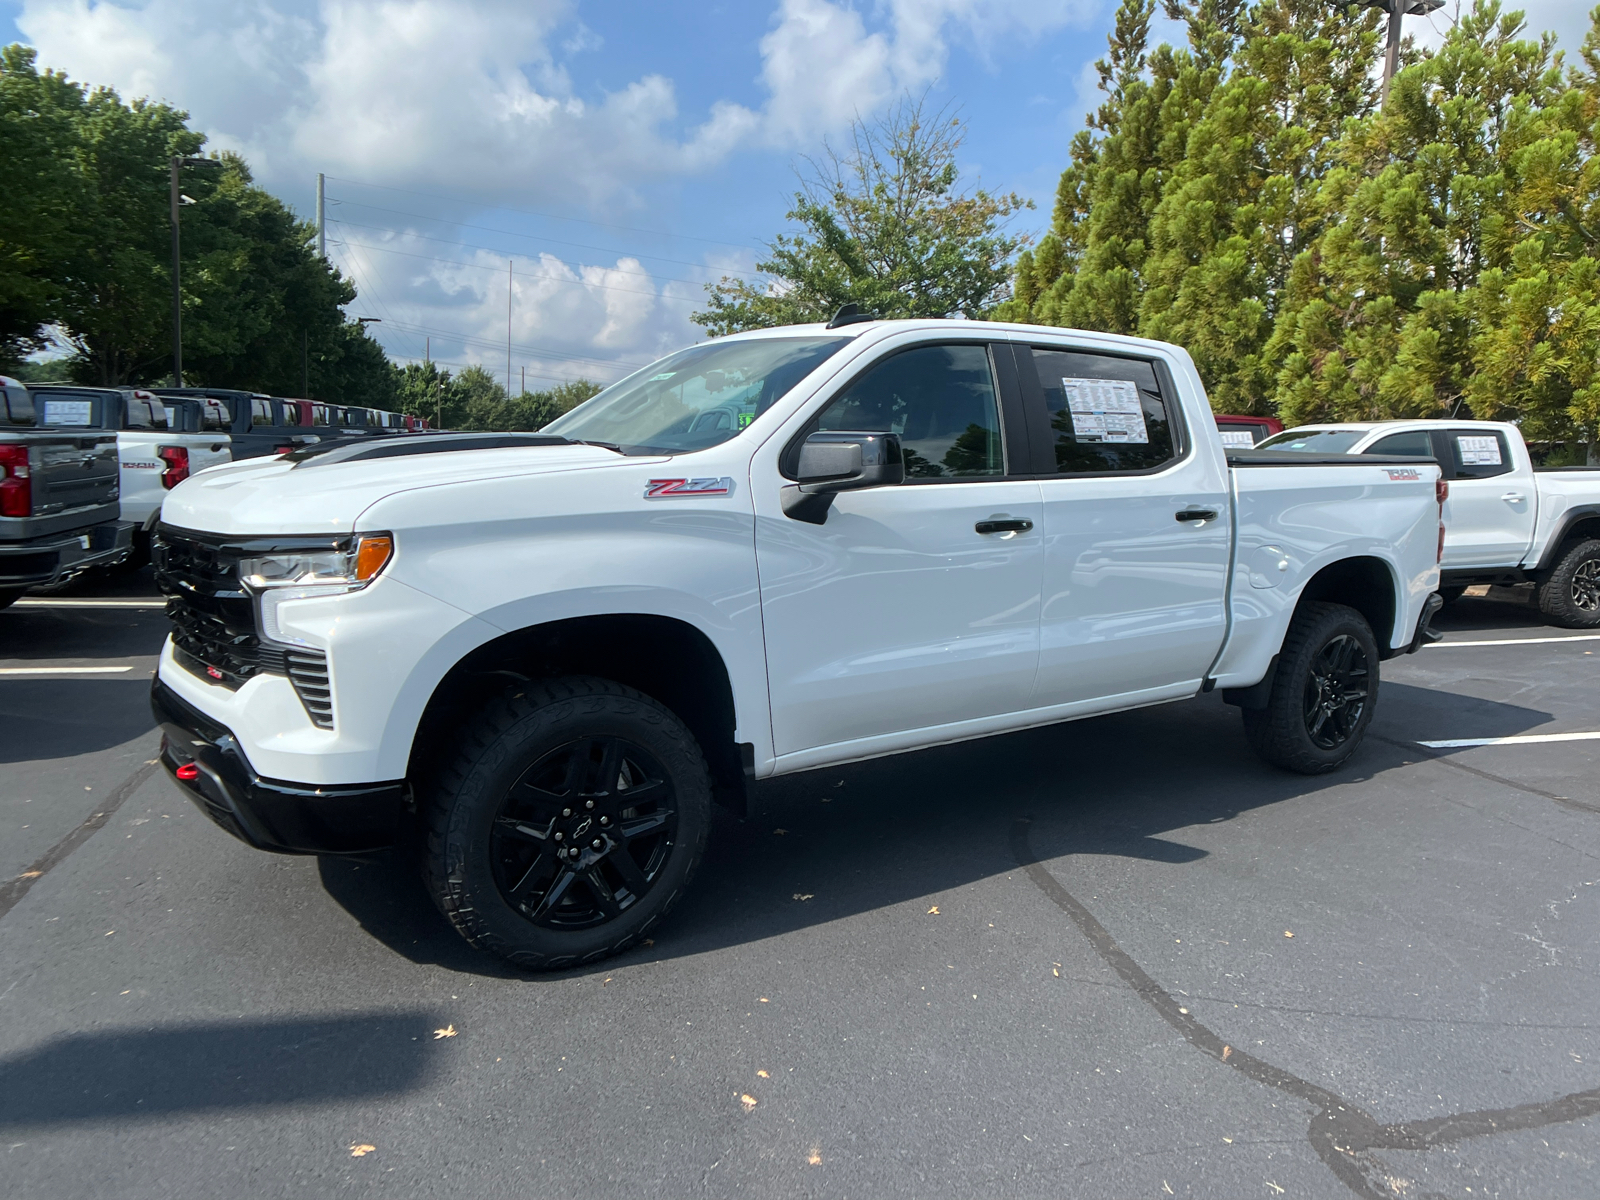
(843, 461)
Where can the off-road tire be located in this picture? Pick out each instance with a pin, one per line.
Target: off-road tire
(1451, 594)
(1567, 597)
(463, 799)
(1280, 733)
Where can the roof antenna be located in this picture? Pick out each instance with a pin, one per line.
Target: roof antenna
(850, 314)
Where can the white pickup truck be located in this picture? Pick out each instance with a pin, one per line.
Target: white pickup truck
(550, 653)
(1506, 521)
(160, 443)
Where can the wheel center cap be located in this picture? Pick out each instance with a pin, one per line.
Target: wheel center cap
(582, 827)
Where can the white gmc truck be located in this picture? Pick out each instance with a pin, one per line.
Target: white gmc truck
(549, 654)
(1506, 521)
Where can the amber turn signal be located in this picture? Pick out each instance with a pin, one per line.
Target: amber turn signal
(372, 554)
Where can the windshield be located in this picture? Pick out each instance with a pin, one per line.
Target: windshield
(1315, 441)
(697, 397)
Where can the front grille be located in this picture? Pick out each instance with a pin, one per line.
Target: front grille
(213, 618)
(308, 672)
(214, 624)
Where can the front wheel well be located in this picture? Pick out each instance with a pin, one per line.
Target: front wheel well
(667, 659)
(1364, 584)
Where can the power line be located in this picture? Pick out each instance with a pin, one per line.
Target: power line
(532, 237)
(548, 216)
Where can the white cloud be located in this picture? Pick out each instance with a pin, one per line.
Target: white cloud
(475, 99)
(412, 91)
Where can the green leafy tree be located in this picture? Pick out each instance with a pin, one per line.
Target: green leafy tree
(39, 226)
(1456, 263)
(1242, 202)
(885, 225)
(85, 245)
(475, 399)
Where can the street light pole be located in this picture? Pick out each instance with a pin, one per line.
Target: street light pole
(178, 201)
(1391, 49)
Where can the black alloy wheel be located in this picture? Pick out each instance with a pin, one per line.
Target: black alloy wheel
(1323, 694)
(1336, 692)
(583, 835)
(566, 823)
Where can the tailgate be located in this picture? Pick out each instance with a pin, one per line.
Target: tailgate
(206, 450)
(73, 470)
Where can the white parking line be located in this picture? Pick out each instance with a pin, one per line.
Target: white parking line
(107, 602)
(1578, 637)
(63, 670)
(1526, 739)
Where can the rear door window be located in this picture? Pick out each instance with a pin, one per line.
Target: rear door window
(144, 412)
(1415, 442)
(1477, 453)
(1107, 413)
(214, 414)
(261, 411)
(939, 399)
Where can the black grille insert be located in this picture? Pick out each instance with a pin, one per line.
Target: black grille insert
(308, 672)
(214, 621)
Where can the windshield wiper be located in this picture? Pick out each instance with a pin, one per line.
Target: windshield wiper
(603, 445)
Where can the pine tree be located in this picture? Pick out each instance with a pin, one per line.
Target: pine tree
(1385, 313)
(1240, 204)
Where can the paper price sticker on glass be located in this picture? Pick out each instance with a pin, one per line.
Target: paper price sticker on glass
(1106, 410)
(1479, 451)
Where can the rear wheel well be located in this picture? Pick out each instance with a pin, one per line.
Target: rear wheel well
(1581, 530)
(1366, 585)
(669, 660)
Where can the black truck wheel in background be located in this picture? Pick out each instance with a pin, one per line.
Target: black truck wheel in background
(1570, 595)
(1323, 694)
(571, 820)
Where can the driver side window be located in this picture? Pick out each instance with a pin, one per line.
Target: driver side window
(939, 399)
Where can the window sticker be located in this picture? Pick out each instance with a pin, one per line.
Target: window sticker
(1238, 439)
(1479, 451)
(1106, 410)
(663, 375)
(68, 412)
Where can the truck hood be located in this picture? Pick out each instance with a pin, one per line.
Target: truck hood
(269, 496)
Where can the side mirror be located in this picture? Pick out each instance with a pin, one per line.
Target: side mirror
(841, 462)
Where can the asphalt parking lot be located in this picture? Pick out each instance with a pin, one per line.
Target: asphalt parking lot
(1050, 964)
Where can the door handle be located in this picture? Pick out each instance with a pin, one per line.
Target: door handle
(1512, 497)
(1196, 514)
(1004, 526)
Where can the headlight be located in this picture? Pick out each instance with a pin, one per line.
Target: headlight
(301, 569)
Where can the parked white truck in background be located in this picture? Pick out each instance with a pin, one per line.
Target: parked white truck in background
(1506, 521)
(550, 653)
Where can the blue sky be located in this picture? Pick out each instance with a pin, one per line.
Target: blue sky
(616, 155)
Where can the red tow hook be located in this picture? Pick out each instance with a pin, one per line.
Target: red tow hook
(187, 772)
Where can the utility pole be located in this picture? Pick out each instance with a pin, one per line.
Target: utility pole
(178, 201)
(1391, 50)
(322, 214)
(524, 391)
(508, 327)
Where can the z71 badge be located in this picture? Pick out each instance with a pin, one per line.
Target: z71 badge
(676, 489)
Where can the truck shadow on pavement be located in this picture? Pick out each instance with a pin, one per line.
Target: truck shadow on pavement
(833, 843)
(63, 718)
(117, 1074)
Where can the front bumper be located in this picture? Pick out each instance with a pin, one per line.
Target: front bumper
(56, 557)
(269, 814)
